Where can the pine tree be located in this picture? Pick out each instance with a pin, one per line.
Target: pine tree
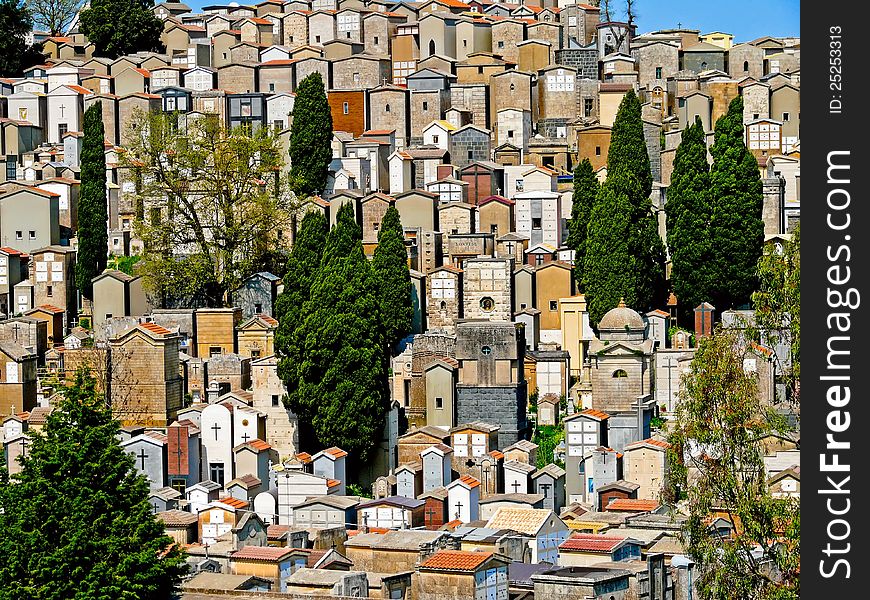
(586, 187)
(76, 520)
(688, 212)
(119, 27)
(310, 137)
(393, 278)
(302, 266)
(736, 225)
(93, 219)
(342, 376)
(607, 264)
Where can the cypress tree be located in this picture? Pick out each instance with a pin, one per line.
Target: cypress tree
(93, 217)
(628, 145)
(688, 220)
(76, 520)
(342, 375)
(586, 187)
(736, 225)
(393, 278)
(302, 266)
(607, 264)
(310, 137)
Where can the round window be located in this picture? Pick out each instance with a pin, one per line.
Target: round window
(245, 422)
(486, 350)
(487, 303)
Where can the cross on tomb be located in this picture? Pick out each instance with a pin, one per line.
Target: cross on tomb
(178, 454)
(245, 438)
(430, 513)
(23, 447)
(62, 108)
(16, 328)
(670, 367)
(458, 508)
(142, 456)
(216, 428)
(195, 367)
(545, 487)
(154, 507)
(516, 485)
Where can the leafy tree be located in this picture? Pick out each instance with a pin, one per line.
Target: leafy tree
(393, 279)
(778, 305)
(302, 266)
(311, 137)
(716, 466)
(16, 22)
(606, 266)
(76, 520)
(341, 380)
(93, 213)
(688, 212)
(586, 187)
(119, 27)
(211, 205)
(53, 16)
(736, 226)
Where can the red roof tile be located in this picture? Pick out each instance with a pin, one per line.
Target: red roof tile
(335, 452)
(155, 328)
(456, 560)
(595, 413)
(234, 502)
(49, 308)
(632, 505)
(650, 442)
(469, 481)
(262, 553)
(590, 542)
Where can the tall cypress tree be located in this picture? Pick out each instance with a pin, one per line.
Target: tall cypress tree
(342, 375)
(302, 266)
(640, 279)
(736, 225)
(393, 278)
(76, 520)
(607, 264)
(688, 212)
(586, 187)
(93, 217)
(310, 137)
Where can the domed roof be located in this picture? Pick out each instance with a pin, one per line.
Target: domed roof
(621, 318)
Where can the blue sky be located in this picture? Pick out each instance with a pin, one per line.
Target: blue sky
(746, 19)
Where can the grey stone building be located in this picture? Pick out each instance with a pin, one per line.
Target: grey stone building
(492, 386)
(257, 294)
(582, 58)
(469, 144)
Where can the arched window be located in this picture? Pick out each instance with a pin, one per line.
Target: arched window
(431, 47)
(620, 373)
(443, 305)
(746, 66)
(387, 108)
(513, 87)
(704, 66)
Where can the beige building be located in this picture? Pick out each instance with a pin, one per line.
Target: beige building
(117, 294)
(645, 463)
(462, 574)
(17, 379)
(216, 331)
(256, 337)
(486, 289)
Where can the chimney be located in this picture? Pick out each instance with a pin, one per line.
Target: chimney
(704, 319)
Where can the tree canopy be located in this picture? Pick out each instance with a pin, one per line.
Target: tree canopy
(16, 22)
(76, 519)
(586, 187)
(212, 205)
(393, 278)
(93, 216)
(736, 225)
(53, 16)
(310, 137)
(716, 468)
(119, 27)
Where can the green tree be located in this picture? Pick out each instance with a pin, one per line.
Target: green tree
(93, 223)
(607, 264)
(393, 279)
(311, 137)
(586, 187)
(716, 465)
(119, 27)
(628, 146)
(302, 266)
(212, 205)
(736, 225)
(53, 16)
(778, 306)
(76, 520)
(688, 213)
(341, 386)
(16, 55)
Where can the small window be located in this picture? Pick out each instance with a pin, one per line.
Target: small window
(501, 43)
(536, 222)
(317, 39)
(387, 108)
(31, 234)
(658, 72)
(480, 70)
(493, 228)
(465, 43)
(539, 259)
(19, 235)
(755, 116)
(439, 402)
(258, 308)
(49, 291)
(746, 66)
(108, 316)
(522, 306)
(255, 354)
(620, 374)
(471, 155)
(425, 105)
(345, 108)
(434, 139)
(554, 305)
(597, 150)
(785, 116)
(510, 133)
(376, 40)
(587, 107)
(276, 400)
(487, 304)
(486, 350)
(347, 35)
(215, 351)
(271, 87)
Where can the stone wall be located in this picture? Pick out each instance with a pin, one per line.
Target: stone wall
(585, 60)
(504, 406)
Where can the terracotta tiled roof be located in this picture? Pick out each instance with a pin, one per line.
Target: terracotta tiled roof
(332, 482)
(335, 452)
(632, 505)
(257, 444)
(11, 251)
(155, 328)
(469, 481)
(589, 542)
(649, 442)
(523, 520)
(262, 553)
(177, 518)
(456, 560)
(303, 457)
(268, 319)
(591, 412)
(49, 308)
(234, 502)
(496, 454)
(278, 62)
(276, 532)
